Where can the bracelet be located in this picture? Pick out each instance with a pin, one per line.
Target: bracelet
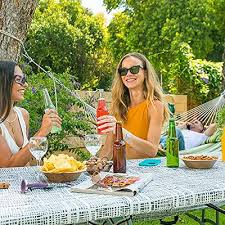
(127, 136)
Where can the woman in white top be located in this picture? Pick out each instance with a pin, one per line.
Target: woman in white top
(14, 121)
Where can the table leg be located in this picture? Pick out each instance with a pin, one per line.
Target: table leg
(126, 220)
(169, 222)
(204, 220)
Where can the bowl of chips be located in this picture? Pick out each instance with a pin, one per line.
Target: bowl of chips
(199, 161)
(62, 168)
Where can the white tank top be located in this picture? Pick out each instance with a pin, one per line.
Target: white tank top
(10, 141)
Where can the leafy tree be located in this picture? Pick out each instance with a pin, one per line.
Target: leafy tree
(154, 25)
(201, 80)
(158, 29)
(67, 37)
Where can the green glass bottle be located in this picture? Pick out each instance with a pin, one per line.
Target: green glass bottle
(172, 146)
(50, 105)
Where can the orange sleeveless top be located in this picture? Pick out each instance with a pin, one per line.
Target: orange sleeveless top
(138, 124)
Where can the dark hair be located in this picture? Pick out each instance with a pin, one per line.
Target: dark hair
(7, 69)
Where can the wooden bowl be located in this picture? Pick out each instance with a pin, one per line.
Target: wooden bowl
(199, 164)
(63, 177)
(106, 168)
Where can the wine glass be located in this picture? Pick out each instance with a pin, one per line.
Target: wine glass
(38, 148)
(92, 143)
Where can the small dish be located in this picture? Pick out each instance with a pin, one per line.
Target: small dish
(199, 161)
(106, 168)
(63, 177)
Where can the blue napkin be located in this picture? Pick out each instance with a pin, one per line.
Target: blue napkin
(150, 162)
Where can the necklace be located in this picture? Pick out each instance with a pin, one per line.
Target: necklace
(11, 124)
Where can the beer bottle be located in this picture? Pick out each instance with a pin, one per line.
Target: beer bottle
(101, 109)
(172, 146)
(119, 150)
(50, 105)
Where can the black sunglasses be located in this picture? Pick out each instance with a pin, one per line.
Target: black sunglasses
(134, 70)
(20, 79)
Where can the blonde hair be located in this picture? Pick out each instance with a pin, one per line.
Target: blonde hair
(120, 93)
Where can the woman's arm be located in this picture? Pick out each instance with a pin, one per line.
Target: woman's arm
(23, 156)
(7, 159)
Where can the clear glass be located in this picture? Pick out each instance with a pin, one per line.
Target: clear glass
(38, 148)
(93, 143)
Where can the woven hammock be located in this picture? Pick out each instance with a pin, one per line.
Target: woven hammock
(206, 112)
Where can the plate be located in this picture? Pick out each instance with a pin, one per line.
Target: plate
(63, 177)
(199, 161)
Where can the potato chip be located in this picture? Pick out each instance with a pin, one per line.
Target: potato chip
(62, 164)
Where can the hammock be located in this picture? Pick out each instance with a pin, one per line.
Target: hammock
(206, 112)
(211, 148)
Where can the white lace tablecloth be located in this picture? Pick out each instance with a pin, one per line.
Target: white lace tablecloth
(171, 191)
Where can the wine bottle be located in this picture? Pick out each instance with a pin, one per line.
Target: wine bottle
(50, 105)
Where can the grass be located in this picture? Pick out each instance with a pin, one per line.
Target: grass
(185, 220)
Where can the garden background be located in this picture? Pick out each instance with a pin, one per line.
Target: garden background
(184, 40)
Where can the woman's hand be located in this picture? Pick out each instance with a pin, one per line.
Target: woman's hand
(107, 123)
(49, 120)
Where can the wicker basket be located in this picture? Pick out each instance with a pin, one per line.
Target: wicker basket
(63, 177)
(199, 164)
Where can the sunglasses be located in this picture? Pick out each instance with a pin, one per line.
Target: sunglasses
(134, 70)
(20, 79)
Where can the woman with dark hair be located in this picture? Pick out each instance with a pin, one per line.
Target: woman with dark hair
(14, 121)
(137, 101)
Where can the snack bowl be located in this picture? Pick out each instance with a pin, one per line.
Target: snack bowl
(63, 177)
(95, 165)
(199, 161)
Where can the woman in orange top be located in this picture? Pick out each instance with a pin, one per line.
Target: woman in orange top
(137, 102)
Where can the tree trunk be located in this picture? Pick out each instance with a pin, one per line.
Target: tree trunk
(15, 19)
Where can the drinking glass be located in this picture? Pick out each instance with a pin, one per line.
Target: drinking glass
(93, 143)
(38, 148)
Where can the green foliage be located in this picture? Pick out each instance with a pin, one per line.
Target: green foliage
(73, 123)
(172, 34)
(220, 118)
(155, 24)
(199, 79)
(66, 37)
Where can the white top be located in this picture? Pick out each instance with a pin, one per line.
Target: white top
(193, 139)
(9, 139)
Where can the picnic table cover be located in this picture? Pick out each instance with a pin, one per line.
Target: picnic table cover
(172, 190)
